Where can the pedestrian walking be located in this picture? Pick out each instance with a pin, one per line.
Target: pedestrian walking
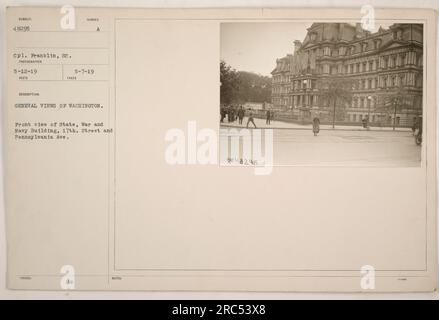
(241, 113)
(267, 121)
(222, 113)
(366, 122)
(315, 126)
(230, 114)
(415, 124)
(250, 119)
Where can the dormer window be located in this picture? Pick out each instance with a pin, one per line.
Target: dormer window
(363, 46)
(378, 43)
(397, 35)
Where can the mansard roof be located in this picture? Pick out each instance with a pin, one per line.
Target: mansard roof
(283, 64)
(349, 35)
(333, 32)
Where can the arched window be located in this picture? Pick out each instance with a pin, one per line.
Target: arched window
(385, 62)
(327, 51)
(364, 46)
(394, 61)
(403, 57)
(401, 80)
(418, 80)
(342, 51)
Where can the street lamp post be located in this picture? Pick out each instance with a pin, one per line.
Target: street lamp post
(303, 111)
(369, 98)
(395, 103)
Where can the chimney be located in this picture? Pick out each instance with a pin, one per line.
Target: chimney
(297, 45)
(359, 29)
(340, 31)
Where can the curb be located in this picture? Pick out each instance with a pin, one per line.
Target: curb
(329, 129)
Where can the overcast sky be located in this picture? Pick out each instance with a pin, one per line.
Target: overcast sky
(255, 46)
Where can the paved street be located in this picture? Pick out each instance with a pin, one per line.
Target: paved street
(352, 147)
(275, 124)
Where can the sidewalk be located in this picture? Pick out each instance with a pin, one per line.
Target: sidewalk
(275, 124)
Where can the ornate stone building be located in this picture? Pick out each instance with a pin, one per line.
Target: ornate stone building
(385, 69)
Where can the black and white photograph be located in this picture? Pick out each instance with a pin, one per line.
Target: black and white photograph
(333, 93)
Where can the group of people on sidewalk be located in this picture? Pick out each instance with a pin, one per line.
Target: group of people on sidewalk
(234, 113)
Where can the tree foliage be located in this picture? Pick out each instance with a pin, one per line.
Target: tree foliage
(253, 88)
(395, 101)
(243, 86)
(337, 93)
(229, 79)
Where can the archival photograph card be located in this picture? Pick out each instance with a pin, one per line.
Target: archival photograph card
(221, 149)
